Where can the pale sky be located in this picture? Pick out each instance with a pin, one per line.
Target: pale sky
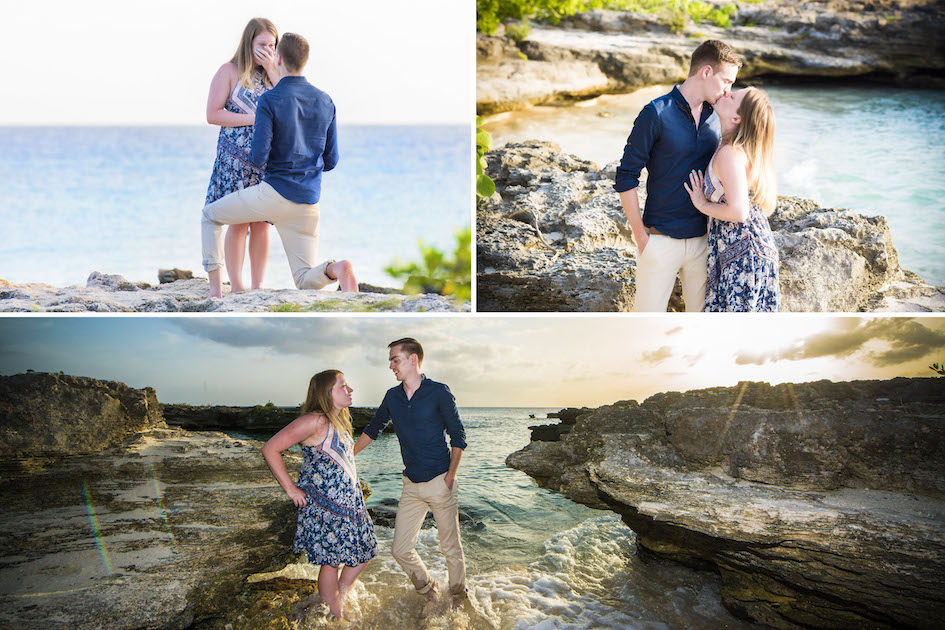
(118, 62)
(520, 361)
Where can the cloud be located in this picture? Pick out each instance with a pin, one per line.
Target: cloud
(673, 331)
(905, 340)
(657, 356)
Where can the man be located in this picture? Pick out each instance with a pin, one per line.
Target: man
(422, 410)
(295, 138)
(674, 135)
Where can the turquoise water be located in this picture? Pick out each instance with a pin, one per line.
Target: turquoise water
(534, 559)
(127, 200)
(873, 149)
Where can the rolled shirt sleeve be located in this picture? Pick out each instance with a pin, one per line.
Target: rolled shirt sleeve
(450, 415)
(380, 420)
(330, 154)
(636, 153)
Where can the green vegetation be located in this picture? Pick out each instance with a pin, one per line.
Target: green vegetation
(938, 368)
(677, 14)
(485, 187)
(336, 305)
(518, 32)
(438, 274)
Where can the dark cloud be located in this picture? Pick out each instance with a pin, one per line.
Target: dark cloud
(905, 340)
(657, 356)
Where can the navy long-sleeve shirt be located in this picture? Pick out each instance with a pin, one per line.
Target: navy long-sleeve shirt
(420, 424)
(296, 137)
(666, 141)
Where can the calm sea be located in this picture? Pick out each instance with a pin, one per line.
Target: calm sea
(534, 559)
(875, 150)
(127, 200)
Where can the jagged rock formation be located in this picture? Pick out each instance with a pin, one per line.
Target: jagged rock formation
(553, 432)
(820, 504)
(48, 415)
(259, 418)
(612, 52)
(555, 238)
(105, 293)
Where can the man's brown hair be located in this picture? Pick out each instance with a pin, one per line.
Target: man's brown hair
(294, 51)
(711, 52)
(410, 346)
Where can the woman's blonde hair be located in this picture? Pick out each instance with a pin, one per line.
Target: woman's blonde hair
(245, 64)
(319, 400)
(755, 135)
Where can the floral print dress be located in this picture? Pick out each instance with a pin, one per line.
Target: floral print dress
(743, 260)
(233, 169)
(334, 527)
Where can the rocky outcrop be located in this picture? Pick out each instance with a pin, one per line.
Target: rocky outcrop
(820, 504)
(612, 52)
(555, 238)
(114, 294)
(553, 432)
(259, 418)
(48, 415)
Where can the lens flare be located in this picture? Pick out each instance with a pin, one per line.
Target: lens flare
(96, 529)
(731, 415)
(160, 499)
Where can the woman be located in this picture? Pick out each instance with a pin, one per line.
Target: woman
(738, 194)
(334, 527)
(234, 91)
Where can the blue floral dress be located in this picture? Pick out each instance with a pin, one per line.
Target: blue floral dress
(232, 169)
(743, 260)
(334, 527)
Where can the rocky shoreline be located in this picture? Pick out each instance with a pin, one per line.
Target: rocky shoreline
(113, 519)
(104, 293)
(613, 52)
(261, 418)
(554, 238)
(820, 504)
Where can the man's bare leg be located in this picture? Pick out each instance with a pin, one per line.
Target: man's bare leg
(343, 272)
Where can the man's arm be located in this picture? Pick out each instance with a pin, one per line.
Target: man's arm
(636, 155)
(262, 133)
(374, 428)
(330, 155)
(456, 431)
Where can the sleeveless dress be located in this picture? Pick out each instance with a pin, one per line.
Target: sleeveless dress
(334, 527)
(743, 260)
(232, 169)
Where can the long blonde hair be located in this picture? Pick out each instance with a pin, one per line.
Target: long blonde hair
(319, 400)
(245, 64)
(755, 136)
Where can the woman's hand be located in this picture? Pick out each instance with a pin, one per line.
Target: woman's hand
(297, 495)
(696, 190)
(265, 58)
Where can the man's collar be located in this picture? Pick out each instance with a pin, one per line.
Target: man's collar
(680, 100)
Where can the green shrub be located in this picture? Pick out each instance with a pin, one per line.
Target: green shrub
(938, 368)
(485, 187)
(518, 32)
(438, 274)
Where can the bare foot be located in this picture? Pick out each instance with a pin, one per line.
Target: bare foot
(433, 595)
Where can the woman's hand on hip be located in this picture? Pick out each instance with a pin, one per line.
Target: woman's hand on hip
(298, 496)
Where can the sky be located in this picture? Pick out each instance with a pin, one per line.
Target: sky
(117, 62)
(515, 361)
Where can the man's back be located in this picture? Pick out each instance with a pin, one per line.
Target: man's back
(296, 137)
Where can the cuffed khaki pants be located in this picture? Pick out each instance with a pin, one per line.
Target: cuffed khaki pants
(297, 224)
(664, 257)
(415, 501)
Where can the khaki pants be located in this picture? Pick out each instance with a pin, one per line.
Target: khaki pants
(297, 224)
(657, 266)
(415, 501)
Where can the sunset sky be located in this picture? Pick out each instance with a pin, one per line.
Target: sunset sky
(487, 361)
(118, 62)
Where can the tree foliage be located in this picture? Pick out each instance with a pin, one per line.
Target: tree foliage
(436, 273)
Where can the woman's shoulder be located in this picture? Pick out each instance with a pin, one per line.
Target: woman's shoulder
(227, 71)
(729, 157)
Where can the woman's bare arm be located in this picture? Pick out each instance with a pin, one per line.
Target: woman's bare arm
(299, 430)
(220, 87)
(731, 167)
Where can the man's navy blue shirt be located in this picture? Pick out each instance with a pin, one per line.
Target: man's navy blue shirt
(295, 136)
(420, 424)
(666, 141)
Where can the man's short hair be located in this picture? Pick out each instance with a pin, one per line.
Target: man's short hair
(711, 52)
(409, 346)
(294, 51)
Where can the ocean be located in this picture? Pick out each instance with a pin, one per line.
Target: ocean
(872, 149)
(127, 200)
(534, 559)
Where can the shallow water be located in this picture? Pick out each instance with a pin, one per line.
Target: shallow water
(534, 559)
(873, 149)
(127, 200)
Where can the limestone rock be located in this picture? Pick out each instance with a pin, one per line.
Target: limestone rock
(259, 418)
(170, 275)
(575, 251)
(820, 504)
(48, 415)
